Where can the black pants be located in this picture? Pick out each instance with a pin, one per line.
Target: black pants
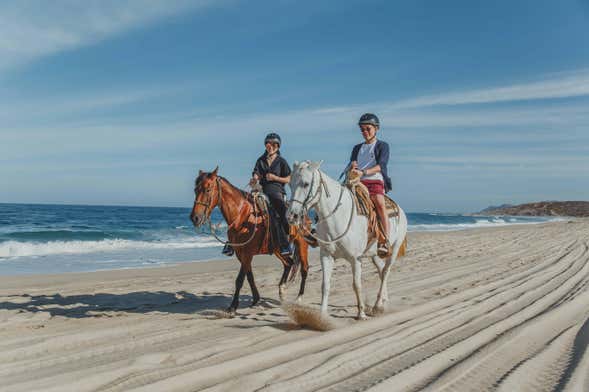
(280, 226)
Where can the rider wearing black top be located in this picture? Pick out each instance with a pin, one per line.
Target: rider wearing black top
(273, 173)
(279, 168)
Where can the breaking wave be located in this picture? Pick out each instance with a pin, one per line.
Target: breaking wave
(19, 249)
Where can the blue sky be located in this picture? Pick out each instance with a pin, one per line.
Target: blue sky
(121, 102)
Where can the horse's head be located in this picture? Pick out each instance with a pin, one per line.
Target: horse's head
(206, 196)
(304, 186)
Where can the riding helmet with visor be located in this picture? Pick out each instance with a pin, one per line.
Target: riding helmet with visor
(273, 138)
(369, 118)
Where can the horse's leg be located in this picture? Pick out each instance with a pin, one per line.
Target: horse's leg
(302, 288)
(379, 264)
(303, 255)
(283, 281)
(357, 273)
(326, 267)
(383, 295)
(246, 266)
(252, 283)
(238, 284)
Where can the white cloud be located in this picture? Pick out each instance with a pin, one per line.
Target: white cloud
(563, 85)
(554, 86)
(36, 28)
(46, 109)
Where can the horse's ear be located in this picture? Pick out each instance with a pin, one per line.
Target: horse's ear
(214, 172)
(319, 164)
(295, 164)
(200, 172)
(314, 165)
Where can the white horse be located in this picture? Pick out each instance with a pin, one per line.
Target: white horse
(341, 232)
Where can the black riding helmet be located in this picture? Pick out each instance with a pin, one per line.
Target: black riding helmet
(369, 118)
(273, 138)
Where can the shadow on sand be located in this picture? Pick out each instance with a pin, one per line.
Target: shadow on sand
(97, 305)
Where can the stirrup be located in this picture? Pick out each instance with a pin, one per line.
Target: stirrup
(287, 250)
(228, 250)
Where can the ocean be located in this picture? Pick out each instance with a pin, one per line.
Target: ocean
(45, 239)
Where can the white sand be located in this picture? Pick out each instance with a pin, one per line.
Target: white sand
(489, 309)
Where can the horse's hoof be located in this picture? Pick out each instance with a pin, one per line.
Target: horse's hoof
(231, 311)
(299, 299)
(361, 317)
(282, 294)
(378, 309)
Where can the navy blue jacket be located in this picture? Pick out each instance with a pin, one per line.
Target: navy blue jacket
(381, 153)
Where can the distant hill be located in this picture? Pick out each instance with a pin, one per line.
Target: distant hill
(542, 208)
(493, 208)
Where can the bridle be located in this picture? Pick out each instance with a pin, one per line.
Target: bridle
(208, 206)
(310, 201)
(305, 204)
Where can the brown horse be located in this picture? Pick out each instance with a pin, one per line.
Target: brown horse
(248, 232)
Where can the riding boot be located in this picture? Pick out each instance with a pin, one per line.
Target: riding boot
(280, 226)
(287, 250)
(286, 247)
(383, 249)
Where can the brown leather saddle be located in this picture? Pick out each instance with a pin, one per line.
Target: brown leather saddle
(362, 197)
(365, 206)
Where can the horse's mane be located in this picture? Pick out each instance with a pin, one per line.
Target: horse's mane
(243, 193)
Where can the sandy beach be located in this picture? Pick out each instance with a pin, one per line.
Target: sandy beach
(487, 309)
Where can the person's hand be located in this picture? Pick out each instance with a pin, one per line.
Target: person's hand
(271, 177)
(357, 172)
(354, 165)
(253, 181)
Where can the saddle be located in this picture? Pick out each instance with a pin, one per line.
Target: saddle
(365, 206)
(264, 210)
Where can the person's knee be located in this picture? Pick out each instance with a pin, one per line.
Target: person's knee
(378, 200)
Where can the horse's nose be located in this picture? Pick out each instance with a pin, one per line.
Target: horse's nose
(194, 219)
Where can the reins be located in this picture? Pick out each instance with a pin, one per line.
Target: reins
(208, 206)
(338, 204)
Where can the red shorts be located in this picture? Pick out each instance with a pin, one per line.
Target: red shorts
(375, 187)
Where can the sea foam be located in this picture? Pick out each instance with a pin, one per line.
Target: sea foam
(19, 249)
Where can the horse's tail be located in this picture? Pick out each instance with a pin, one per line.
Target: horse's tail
(295, 265)
(403, 248)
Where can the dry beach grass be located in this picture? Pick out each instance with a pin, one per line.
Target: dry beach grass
(488, 309)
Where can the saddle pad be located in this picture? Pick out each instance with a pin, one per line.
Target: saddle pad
(392, 206)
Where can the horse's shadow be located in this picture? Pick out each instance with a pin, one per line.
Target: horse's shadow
(101, 304)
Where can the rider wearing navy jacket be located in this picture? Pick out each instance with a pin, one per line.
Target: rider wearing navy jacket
(369, 160)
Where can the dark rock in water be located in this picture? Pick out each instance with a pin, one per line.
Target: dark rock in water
(542, 208)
